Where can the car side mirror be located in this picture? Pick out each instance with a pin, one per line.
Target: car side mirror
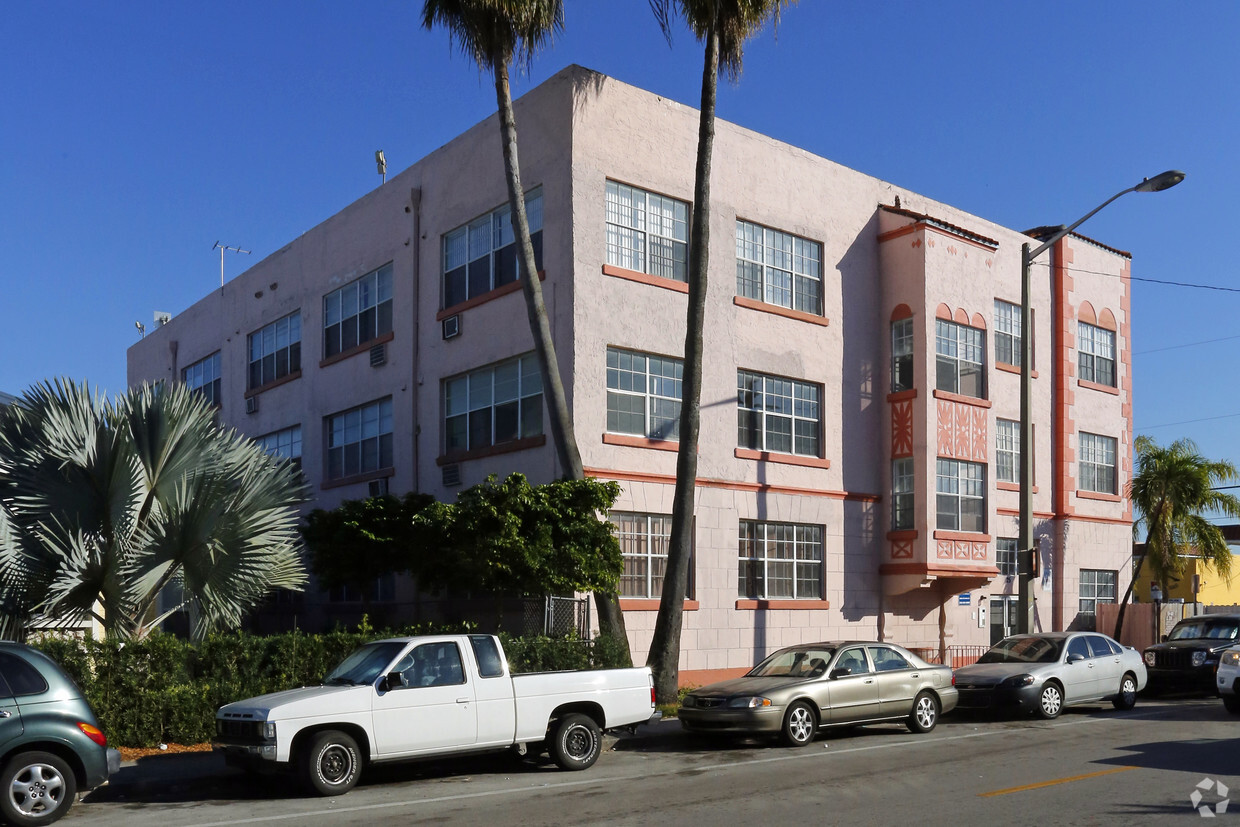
(1164, 638)
(390, 681)
(1075, 658)
(841, 672)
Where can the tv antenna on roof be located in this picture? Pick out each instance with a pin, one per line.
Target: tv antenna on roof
(222, 248)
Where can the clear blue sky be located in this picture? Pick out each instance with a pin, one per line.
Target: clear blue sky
(135, 135)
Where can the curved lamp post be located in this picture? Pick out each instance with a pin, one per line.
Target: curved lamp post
(1024, 619)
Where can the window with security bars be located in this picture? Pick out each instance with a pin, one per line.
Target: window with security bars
(643, 394)
(493, 405)
(780, 561)
(484, 255)
(643, 544)
(359, 440)
(1007, 333)
(778, 414)
(902, 483)
(961, 495)
(902, 355)
(275, 351)
(1096, 468)
(1005, 556)
(646, 232)
(1096, 353)
(203, 377)
(284, 443)
(357, 313)
(960, 362)
(1007, 450)
(1097, 586)
(778, 268)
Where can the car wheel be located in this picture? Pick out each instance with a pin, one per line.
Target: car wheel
(38, 788)
(576, 743)
(925, 713)
(1232, 703)
(331, 763)
(1127, 697)
(800, 725)
(1050, 700)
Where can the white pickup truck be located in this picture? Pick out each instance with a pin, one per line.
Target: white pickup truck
(414, 697)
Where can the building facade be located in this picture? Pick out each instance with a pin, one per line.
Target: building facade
(858, 463)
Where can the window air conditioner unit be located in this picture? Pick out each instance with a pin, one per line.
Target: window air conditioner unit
(379, 487)
(452, 475)
(251, 404)
(378, 355)
(452, 326)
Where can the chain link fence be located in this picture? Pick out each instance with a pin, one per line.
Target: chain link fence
(558, 616)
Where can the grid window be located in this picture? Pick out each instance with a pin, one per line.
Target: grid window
(1097, 465)
(961, 490)
(360, 440)
(493, 405)
(902, 494)
(285, 443)
(204, 377)
(1096, 351)
(902, 355)
(1007, 450)
(960, 364)
(646, 232)
(780, 561)
(777, 414)
(275, 351)
(1005, 556)
(1007, 333)
(778, 268)
(643, 543)
(358, 312)
(1097, 586)
(483, 255)
(382, 590)
(643, 394)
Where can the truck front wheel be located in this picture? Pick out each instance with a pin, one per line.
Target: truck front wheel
(576, 742)
(331, 763)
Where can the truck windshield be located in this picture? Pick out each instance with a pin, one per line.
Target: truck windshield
(1206, 629)
(365, 664)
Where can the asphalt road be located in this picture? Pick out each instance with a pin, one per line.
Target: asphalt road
(1091, 766)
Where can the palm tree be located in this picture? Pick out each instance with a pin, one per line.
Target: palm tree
(1173, 487)
(723, 26)
(103, 506)
(492, 33)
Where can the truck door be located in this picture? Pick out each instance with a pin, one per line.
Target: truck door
(432, 709)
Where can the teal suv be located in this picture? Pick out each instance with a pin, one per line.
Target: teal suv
(50, 742)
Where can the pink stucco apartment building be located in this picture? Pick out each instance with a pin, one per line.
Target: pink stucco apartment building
(859, 446)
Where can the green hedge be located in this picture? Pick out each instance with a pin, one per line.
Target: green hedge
(164, 689)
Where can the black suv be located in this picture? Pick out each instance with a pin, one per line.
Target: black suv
(1188, 657)
(50, 742)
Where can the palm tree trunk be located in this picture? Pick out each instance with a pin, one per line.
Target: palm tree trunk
(1119, 619)
(611, 619)
(664, 654)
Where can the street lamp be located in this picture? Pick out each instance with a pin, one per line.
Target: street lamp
(1024, 619)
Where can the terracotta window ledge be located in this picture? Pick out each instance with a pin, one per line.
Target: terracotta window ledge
(1094, 386)
(1099, 495)
(631, 441)
(364, 347)
(1006, 368)
(492, 450)
(964, 536)
(962, 399)
(782, 459)
(779, 310)
(641, 604)
(1011, 486)
(900, 396)
(645, 278)
(354, 479)
(751, 605)
(274, 383)
(902, 534)
(483, 298)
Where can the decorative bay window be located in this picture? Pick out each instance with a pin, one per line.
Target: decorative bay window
(902, 355)
(1096, 354)
(961, 495)
(961, 359)
(1097, 463)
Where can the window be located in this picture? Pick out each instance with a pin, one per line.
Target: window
(382, 590)
(285, 443)
(1005, 556)
(490, 664)
(780, 560)
(1096, 349)
(360, 440)
(21, 677)
(275, 351)
(1007, 333)
(643, 394)
(1097, 465)
(1007, 450)
(776, 414)
(483, 254)
(358, 312)
(643, 543)
(902, 355)
(646, 232)
(204, 377)
(961, 488)
(493, 405)
(1096, 587)
(961, 352)
(902, 494)
(778, 268)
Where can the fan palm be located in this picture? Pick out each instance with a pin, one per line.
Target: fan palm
(103, 505)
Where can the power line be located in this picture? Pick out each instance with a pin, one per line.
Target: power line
(1187, 422)
(1188, 344)
(1167, 282)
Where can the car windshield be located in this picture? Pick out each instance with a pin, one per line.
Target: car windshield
(1205, 628)
(365, 664)
(802, 662)
(1023, 650)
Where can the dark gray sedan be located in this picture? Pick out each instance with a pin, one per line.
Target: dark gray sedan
(799, 690)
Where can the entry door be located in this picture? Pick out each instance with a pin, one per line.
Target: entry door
(1002, 617)
(433, 710)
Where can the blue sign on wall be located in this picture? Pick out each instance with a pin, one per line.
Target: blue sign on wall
(965, 599)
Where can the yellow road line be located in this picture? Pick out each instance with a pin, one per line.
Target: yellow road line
(1041, 784)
